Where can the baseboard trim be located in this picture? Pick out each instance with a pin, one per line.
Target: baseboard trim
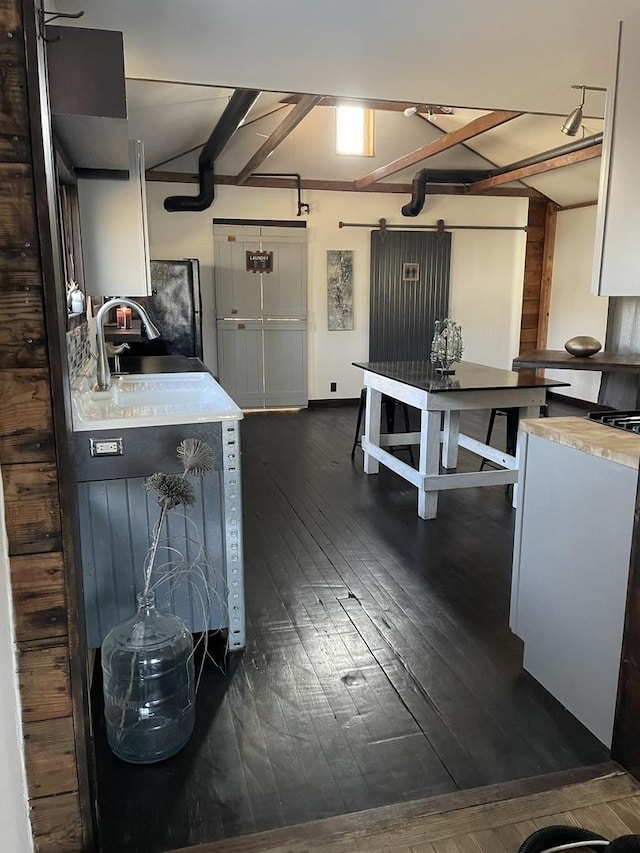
(331, 403)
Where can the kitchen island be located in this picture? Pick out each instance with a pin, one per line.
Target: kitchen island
(469, 386)
(121, 437)
(571, 562)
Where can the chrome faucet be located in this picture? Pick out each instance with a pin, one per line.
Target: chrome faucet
(104, 374)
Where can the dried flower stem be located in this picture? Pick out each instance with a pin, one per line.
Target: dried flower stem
(173, 490)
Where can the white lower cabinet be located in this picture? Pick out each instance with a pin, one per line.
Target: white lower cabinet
(574, 527)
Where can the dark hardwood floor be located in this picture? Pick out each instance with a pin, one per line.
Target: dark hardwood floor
(379, 665)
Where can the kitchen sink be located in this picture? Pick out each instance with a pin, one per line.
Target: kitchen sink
(161, 389)
(152, 399)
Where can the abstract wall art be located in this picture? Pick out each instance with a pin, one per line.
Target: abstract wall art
(340, 289)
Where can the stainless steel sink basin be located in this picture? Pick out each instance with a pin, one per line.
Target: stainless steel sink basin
(151, 400)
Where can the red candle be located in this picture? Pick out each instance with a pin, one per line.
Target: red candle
(123, 318)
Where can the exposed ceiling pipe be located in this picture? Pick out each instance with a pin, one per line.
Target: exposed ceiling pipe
(418, 194)
(577, 145)
(302, 206)
(239, 105)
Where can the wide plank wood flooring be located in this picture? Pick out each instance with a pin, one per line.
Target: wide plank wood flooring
(379, 666)
(486, 820)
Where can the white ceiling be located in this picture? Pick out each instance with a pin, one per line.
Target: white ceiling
(494, 54)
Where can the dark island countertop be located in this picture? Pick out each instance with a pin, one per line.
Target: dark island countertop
(467, 376)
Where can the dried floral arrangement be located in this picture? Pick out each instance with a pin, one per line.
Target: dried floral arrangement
(174, 491)
(446, 346)
(149, 680)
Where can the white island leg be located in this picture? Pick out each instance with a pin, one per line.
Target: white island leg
(429, 461)
(450, 439)
(372, 428)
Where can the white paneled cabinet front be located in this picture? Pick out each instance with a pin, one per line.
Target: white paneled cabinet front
(261, 318)
(617, 255)
(113, 220)
(574, 525)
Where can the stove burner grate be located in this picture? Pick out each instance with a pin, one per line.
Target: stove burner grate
(629, 421)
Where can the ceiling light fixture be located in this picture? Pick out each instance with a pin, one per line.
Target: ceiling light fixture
(573, 121)
(429, 109)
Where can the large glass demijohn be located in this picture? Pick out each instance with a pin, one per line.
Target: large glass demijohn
(149, 685)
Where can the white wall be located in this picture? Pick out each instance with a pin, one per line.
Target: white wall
(573, 309)
(14, 816)
(486, 268)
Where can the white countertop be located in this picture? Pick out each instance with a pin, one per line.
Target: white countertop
(152, 399)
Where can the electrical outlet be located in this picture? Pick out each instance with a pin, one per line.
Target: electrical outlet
(333, 386)
(106, 446)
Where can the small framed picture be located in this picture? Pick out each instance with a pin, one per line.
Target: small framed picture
(410, 272)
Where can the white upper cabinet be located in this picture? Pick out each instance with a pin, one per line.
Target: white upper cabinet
(617, 248)
(113, 222)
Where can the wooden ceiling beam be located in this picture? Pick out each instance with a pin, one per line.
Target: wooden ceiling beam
(289, 123)
(537, 168)
(462, 134)
(336, 186)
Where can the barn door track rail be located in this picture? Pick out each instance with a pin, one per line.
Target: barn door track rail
(440, 226)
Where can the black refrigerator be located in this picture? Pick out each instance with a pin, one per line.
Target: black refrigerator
(175, 308)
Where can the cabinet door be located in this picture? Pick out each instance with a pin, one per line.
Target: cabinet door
(285, 289)
(238, 292)
(285, 364)
(240, 362)
(617, 256)
(113, 219)
(114, 537)
(574, 528)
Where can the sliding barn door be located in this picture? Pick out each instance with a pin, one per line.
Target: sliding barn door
(261, 317)
(409, 292)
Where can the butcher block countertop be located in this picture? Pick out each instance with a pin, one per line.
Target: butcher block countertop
(605, 442)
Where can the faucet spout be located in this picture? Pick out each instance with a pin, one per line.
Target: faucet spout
(103, 382)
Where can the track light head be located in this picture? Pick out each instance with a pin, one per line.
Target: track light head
(573, 122)
(410, 111)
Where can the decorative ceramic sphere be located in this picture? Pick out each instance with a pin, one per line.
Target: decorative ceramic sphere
(583, 346)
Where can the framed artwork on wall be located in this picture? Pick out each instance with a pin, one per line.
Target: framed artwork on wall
(411, 272)
(340, 290)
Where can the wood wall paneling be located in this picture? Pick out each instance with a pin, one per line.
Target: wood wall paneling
(55, 826)
(39, 596)
(17, 212)
(547, 274)
(32, 508)
(29, 343)
(44, 681)
(50, 757)
(26, 433)
(538, 270)
(22, 329)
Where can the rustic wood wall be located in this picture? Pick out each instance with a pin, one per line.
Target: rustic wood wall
(538, 267)
(30, 457)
